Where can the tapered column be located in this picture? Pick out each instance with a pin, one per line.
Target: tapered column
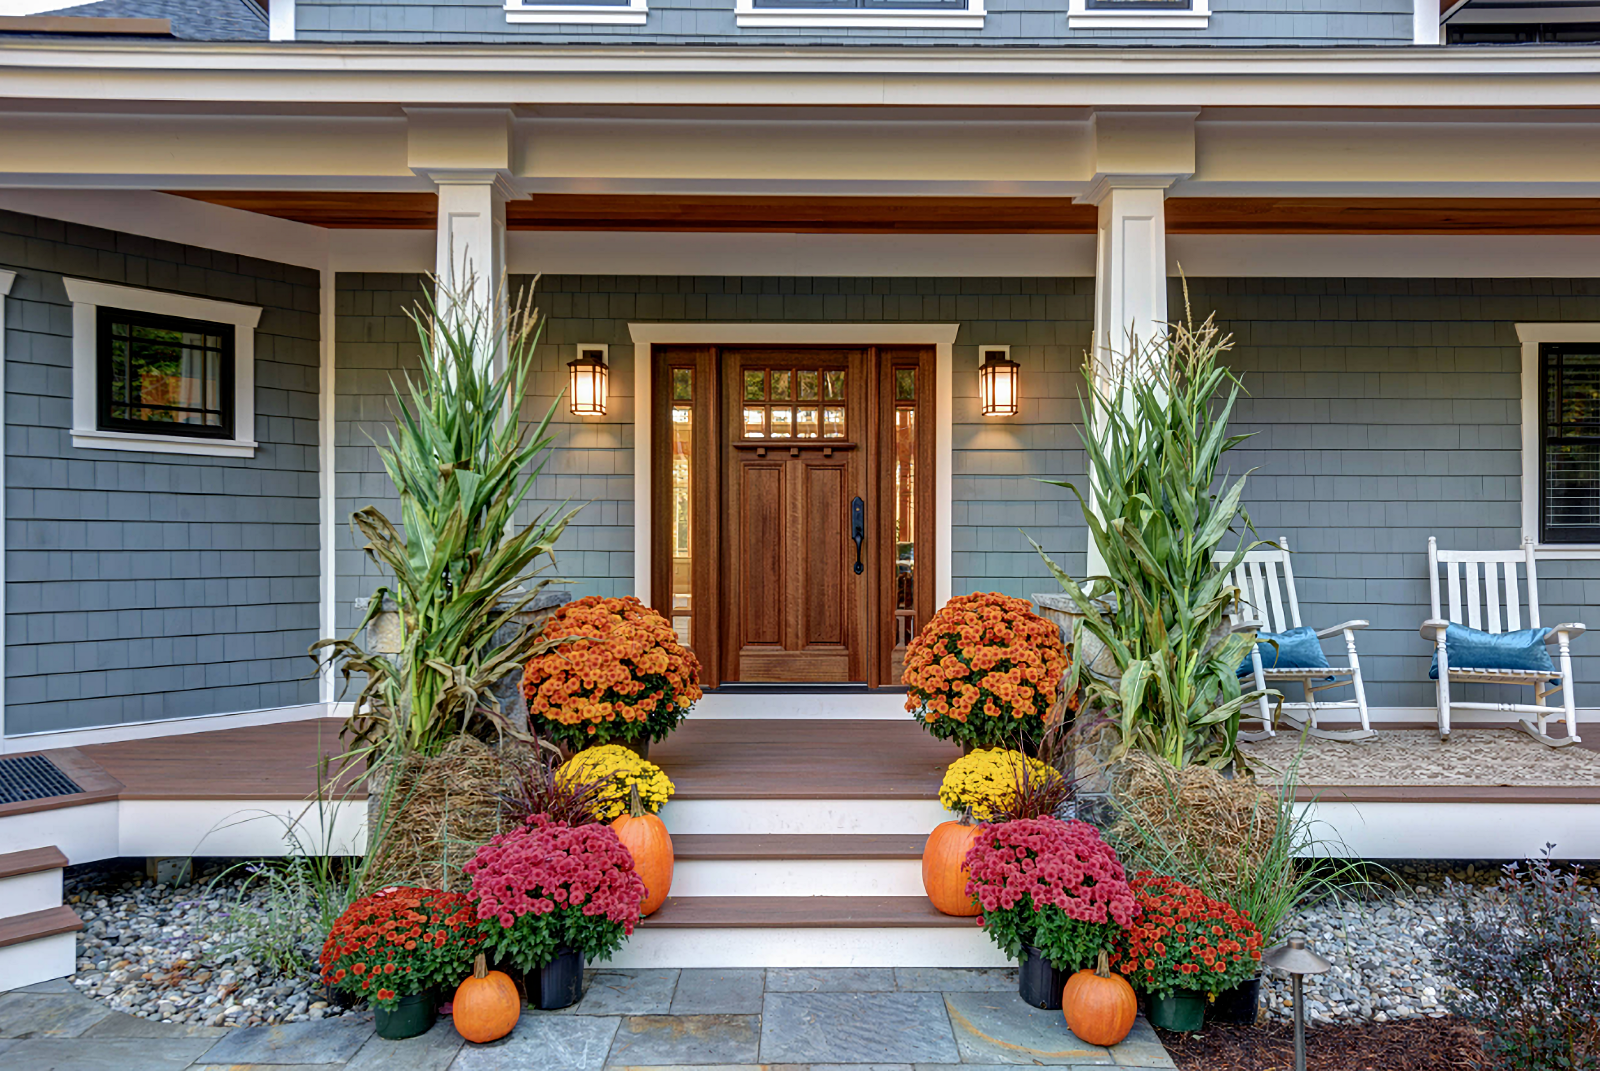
(1130, 278)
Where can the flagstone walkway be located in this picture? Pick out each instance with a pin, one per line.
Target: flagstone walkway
(865, 1019)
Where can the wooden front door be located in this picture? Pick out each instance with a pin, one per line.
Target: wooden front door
(792, 508)
(794, 423)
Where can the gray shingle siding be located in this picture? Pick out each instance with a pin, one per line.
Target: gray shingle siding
(1013, 23)
(144, 586)
(1386, 411)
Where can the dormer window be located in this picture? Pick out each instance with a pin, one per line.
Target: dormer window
(860, 14)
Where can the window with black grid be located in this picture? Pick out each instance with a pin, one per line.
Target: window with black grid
(1569, 433)
(164, 375)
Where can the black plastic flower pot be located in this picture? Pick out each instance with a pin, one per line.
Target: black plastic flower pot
(1238, 1004)
(560, 981)
(411, 1017)
(1040, 984)
(1182, 1011)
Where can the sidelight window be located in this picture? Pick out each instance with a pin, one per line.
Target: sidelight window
(682, 474)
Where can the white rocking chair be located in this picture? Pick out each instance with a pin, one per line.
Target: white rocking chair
(1485, 568)
(1264, 577)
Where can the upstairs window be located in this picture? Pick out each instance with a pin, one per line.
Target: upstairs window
(1138, 14)
(1569, 439)
(579, 12)
(164, 375)
(864, 14)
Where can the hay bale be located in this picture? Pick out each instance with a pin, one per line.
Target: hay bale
(1194, 823)
(429, 814)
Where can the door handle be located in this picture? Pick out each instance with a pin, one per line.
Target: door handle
(858, 527)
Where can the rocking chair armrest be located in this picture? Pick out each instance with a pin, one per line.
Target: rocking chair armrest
(1248, 626)
(1332, 630)
(1432, 628)
(1573, 629)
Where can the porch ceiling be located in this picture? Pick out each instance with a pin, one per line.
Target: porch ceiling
(931, 215)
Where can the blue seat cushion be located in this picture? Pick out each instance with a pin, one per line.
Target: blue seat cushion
(1298, 648)
(1469, 648)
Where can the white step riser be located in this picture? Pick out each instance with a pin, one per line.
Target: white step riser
(799, 947)
(803, 816)
(26, 893)
(798, 877)
(82, 833)
(38, 961)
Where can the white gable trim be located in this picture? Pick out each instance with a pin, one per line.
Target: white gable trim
(941, 337)
(87, 296)
(1531, 335)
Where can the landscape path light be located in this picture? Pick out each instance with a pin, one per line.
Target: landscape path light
(1295, 958)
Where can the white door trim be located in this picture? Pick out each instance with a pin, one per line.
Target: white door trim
(941, 337)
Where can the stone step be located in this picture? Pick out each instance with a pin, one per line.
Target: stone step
(30, 881)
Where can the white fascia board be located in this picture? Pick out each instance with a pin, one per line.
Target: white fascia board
(1206, 77)
(280, 20)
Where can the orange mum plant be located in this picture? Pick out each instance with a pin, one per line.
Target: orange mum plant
(623, 677)
(984, 671)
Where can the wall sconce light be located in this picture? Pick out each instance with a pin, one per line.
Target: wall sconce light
(587, 395)
(1295, 958)
(997, 381)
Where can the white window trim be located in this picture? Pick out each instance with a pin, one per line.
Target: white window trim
(940, 336)
(635, 14)
(87, 296)
(1531, 335)
(748, 16)
(1082, 17)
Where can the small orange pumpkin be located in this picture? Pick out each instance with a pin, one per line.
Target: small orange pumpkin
(944, 870)
(1099, 1005)
(646, 837)
(487, 1004)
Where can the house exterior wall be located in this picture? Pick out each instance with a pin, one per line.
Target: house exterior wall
(1045, 321)
(1386, 411)
(1009, 23)
(142, 586)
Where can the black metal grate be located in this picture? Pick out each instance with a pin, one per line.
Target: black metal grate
(33, 777)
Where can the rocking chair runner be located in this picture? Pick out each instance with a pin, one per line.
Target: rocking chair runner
(1264, 578)
(1485, 568)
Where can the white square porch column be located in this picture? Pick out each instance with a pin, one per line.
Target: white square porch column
(470, 257)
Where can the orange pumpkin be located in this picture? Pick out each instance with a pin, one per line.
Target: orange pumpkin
(1099, 1005)
(646, 837)
(944, 870)
(487, 1004)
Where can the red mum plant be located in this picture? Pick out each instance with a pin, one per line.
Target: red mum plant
(624, 678)
(984, 671)
(1050, 884)
(547, 887)
(400, 941)
(1183, 939)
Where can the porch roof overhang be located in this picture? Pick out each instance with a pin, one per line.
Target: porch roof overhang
(655, 76)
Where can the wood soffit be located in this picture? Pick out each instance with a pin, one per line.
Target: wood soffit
(933, 215)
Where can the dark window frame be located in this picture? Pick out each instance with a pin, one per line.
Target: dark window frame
(1548, 352)
(105, 317)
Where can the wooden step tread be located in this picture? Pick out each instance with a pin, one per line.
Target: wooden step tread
(805, 912)
(31, 861)
(36, 924)
(799, 846)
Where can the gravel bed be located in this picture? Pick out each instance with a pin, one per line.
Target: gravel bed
(1381, 947)
(168, 952)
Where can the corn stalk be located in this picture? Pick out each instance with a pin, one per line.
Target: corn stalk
(1155, 434)
(462, 463)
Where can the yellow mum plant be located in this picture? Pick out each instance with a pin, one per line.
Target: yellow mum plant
(984, 783)
(623, 771)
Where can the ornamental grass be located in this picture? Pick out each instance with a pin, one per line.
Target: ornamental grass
(619, 772)
(621, 675)
(1184, 939)
(1050, 884)
(985, 670)
(400, 941)
(547, 887)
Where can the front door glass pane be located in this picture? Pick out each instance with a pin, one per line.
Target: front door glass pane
(682, 505)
